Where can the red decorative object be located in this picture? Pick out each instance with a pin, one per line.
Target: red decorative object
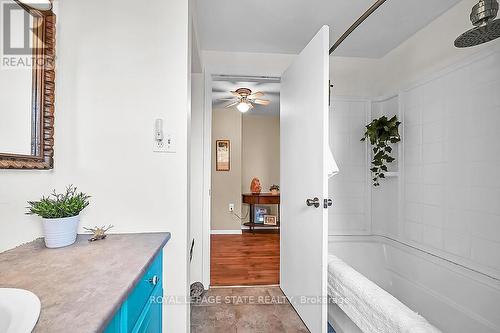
(255, 186)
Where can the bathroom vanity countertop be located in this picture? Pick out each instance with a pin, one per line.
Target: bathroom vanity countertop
(82, 285)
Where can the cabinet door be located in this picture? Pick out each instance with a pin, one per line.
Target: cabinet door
(115, 325)
(142, 310)
(150, 320)
(140, 296)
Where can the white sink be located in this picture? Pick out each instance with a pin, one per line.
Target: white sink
(19, 310)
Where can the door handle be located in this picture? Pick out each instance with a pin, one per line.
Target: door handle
(312, 202)
(154, 280)
(327, 203)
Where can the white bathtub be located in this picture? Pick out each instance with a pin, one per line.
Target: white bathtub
(451, 297)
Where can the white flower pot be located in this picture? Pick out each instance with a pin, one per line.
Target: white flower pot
(60, 232)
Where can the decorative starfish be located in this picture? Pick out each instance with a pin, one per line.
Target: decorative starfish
(98, 233)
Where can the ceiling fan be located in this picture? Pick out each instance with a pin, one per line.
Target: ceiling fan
(244, 99)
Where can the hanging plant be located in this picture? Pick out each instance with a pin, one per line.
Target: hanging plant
(382, 132)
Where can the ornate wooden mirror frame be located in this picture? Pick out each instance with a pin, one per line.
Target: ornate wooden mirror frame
(43, 95)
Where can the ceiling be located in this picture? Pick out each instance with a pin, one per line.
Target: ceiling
(285, 26)
(221, 89)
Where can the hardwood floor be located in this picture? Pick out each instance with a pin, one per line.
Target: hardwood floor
(245, 260)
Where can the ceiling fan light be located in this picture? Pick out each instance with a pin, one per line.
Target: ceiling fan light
(243, 107)
(38, 4)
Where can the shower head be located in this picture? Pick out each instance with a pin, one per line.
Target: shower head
(486, 27)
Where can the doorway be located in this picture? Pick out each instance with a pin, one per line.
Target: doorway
(305, 163)
(245, 175)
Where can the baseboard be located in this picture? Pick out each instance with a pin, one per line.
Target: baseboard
(246, 286)
(244, 227)
(225, 232)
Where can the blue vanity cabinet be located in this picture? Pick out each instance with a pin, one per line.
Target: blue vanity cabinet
(114, 325)
(150, 319)
(142, 310)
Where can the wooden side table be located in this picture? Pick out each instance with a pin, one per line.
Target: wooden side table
(260, 199)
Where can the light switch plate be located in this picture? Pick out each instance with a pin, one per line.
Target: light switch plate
(170, 143)
(159, 146)
(167, 145)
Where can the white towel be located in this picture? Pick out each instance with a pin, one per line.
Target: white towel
(370, 307)
(333, 168)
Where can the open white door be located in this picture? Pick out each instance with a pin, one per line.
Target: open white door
(304, 147)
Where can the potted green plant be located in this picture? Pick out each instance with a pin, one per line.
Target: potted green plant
(60, 215)
(382, 132)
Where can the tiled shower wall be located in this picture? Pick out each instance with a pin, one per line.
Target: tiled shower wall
(446, 196)
(350, 212)
(451, 199)
(385, 198)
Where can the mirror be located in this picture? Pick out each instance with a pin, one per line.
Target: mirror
(27, 85)
(15, 106)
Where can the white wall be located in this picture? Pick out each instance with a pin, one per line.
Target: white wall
(240, 63)
(196, 170)
(111, 86)
(354, 77)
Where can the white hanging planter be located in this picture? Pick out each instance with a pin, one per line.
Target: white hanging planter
(60, 232)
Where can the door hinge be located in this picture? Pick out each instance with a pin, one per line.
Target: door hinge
(330, 86)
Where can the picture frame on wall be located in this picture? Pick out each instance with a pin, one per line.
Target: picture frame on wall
(223, 155)
(270, 220)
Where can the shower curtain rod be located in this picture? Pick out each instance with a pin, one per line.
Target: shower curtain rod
(356, 24)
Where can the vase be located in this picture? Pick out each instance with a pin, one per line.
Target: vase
(255, 186)
(60, 232)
